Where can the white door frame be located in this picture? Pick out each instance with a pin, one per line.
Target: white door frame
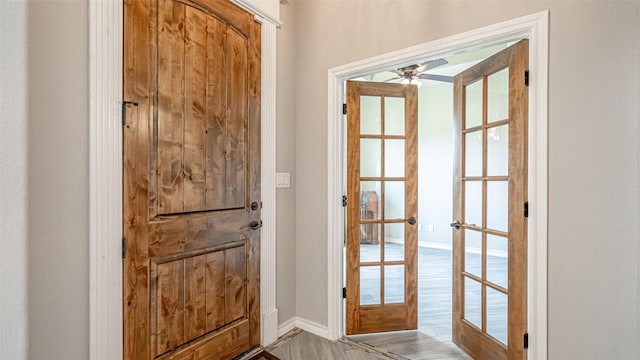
(105, 178)
(535, 27)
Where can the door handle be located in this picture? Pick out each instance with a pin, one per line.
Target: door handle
(255, 225)
(455, 224)
(411, 220)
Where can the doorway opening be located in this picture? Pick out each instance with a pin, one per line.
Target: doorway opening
(435, 134)
(533, 27)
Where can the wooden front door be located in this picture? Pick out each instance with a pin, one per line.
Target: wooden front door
(490, 193)
(382, 207)
(191, 170)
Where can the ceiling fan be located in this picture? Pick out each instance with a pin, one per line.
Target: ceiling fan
(411, 73)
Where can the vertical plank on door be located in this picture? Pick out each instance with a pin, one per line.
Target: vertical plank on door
(195, 297)
(236, 276)
(170, 306)
(215, 290)
(195, 97)
(216, 115)
(170, 106)
(135, 136)
(237, 121)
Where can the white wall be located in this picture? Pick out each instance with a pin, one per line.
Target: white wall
(435, 159)
(286, 162)
(593, 150)
(13, 180)
(593, 171)
(58, 180)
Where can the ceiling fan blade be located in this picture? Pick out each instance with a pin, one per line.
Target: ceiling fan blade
(431, 64)
(443, 78)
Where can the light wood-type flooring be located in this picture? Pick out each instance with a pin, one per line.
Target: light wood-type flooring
(433, 339)
(435, 289)
(404, 345)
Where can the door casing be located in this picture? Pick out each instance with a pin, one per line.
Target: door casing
(105, 182)
(535, 27)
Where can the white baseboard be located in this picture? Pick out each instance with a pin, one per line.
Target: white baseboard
(435, 245)
(303, 324)
(287, 326)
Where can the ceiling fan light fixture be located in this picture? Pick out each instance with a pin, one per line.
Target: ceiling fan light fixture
(413, 80)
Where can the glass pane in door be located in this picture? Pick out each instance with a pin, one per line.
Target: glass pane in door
(498, 151)
(369, 285)
(473, 252)
(473, 302)
(393, 200)
(394, 242)
(393, 116)
(393, 284)
(473, 203)
(497, 311)
(393, 158)
(497, 205)
(497, 260)
(370, 115)
(473, 104)
(370, 158)
(498, 96)
(370, 192)
(473, 154)
(370, 243)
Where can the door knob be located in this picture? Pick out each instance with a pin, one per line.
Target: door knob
(411, 221)
(255, 225)
(455, 224)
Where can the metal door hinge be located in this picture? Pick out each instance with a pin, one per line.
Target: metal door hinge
(526, 209)
(124, 247)
(526, 341)
(526, 77)
(124, 110)
(344, 200)
(344, 109)
(344, 292)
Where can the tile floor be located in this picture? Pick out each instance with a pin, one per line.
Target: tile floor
(404, 345)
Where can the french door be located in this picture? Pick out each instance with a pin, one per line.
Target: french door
(490, 195)
(382, 207)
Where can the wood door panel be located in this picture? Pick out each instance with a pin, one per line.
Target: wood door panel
(385, 318)
(215, 143)
(489, 348)
(172, 236)
(197, 295)
(202, 74)
(226, 344)
(235, 289)
(215, 291)
(170, 99)
(169, 306)
(191, 168)
(236, 143)
(196, 35)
